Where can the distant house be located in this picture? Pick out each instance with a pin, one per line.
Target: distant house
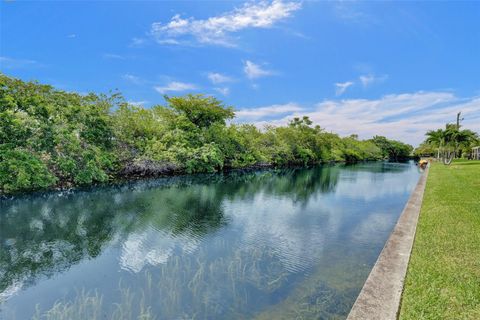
(476, 153)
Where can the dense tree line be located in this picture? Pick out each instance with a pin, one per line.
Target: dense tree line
(52, 138)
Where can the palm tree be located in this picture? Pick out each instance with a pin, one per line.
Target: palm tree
(449, 140)
(466, 139)
(436, 138)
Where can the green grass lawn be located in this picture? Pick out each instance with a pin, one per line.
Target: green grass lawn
(443, 278)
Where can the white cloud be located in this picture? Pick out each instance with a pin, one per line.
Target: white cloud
(369, 79)
(138, 103)
(253, 71)
(341, 87)
(223, 90)
(113, 56)
(404, 117)
(252, 114)
(137, 42)
(11, 63)
(352, 12)
(217, 29)
(217, 78)
(175, 86)
(132, 78)
(366, 80)
(71, 36)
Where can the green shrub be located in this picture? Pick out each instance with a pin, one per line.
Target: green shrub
(207, 158)
(80, 163)
(20, 170)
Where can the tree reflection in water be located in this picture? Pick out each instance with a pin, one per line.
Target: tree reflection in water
(156, 226)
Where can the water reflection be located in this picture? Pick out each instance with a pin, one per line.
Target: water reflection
(234, 245)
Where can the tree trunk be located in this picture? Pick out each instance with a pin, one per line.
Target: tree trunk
(447, 160)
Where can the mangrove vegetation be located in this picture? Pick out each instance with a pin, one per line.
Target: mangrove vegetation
(51, 138)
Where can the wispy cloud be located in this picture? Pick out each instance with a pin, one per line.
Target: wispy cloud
(138, 103)
(175, 86)
(252, 114)
(352, 11)
(365, 80)
(133, 78)
(341, 87)
(71, 36)
(218, 29)
(253, 71)
(217, 78)
(138, 42)
(405, 117)
(369, 79)
(113, 56)
(12, 63)
(223, 90)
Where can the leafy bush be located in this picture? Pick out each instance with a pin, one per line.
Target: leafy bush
(392, 149)
(79, 163)
(202, 111)
(20, 170)
(207, 158)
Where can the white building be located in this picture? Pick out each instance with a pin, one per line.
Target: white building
(476, 153)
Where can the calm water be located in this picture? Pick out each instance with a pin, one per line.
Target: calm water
(274, 244)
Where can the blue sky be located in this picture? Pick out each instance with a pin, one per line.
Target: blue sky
(389, 68)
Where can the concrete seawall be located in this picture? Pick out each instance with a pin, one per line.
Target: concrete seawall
(381, 294)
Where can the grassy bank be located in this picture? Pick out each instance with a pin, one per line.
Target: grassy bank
(443, 279)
